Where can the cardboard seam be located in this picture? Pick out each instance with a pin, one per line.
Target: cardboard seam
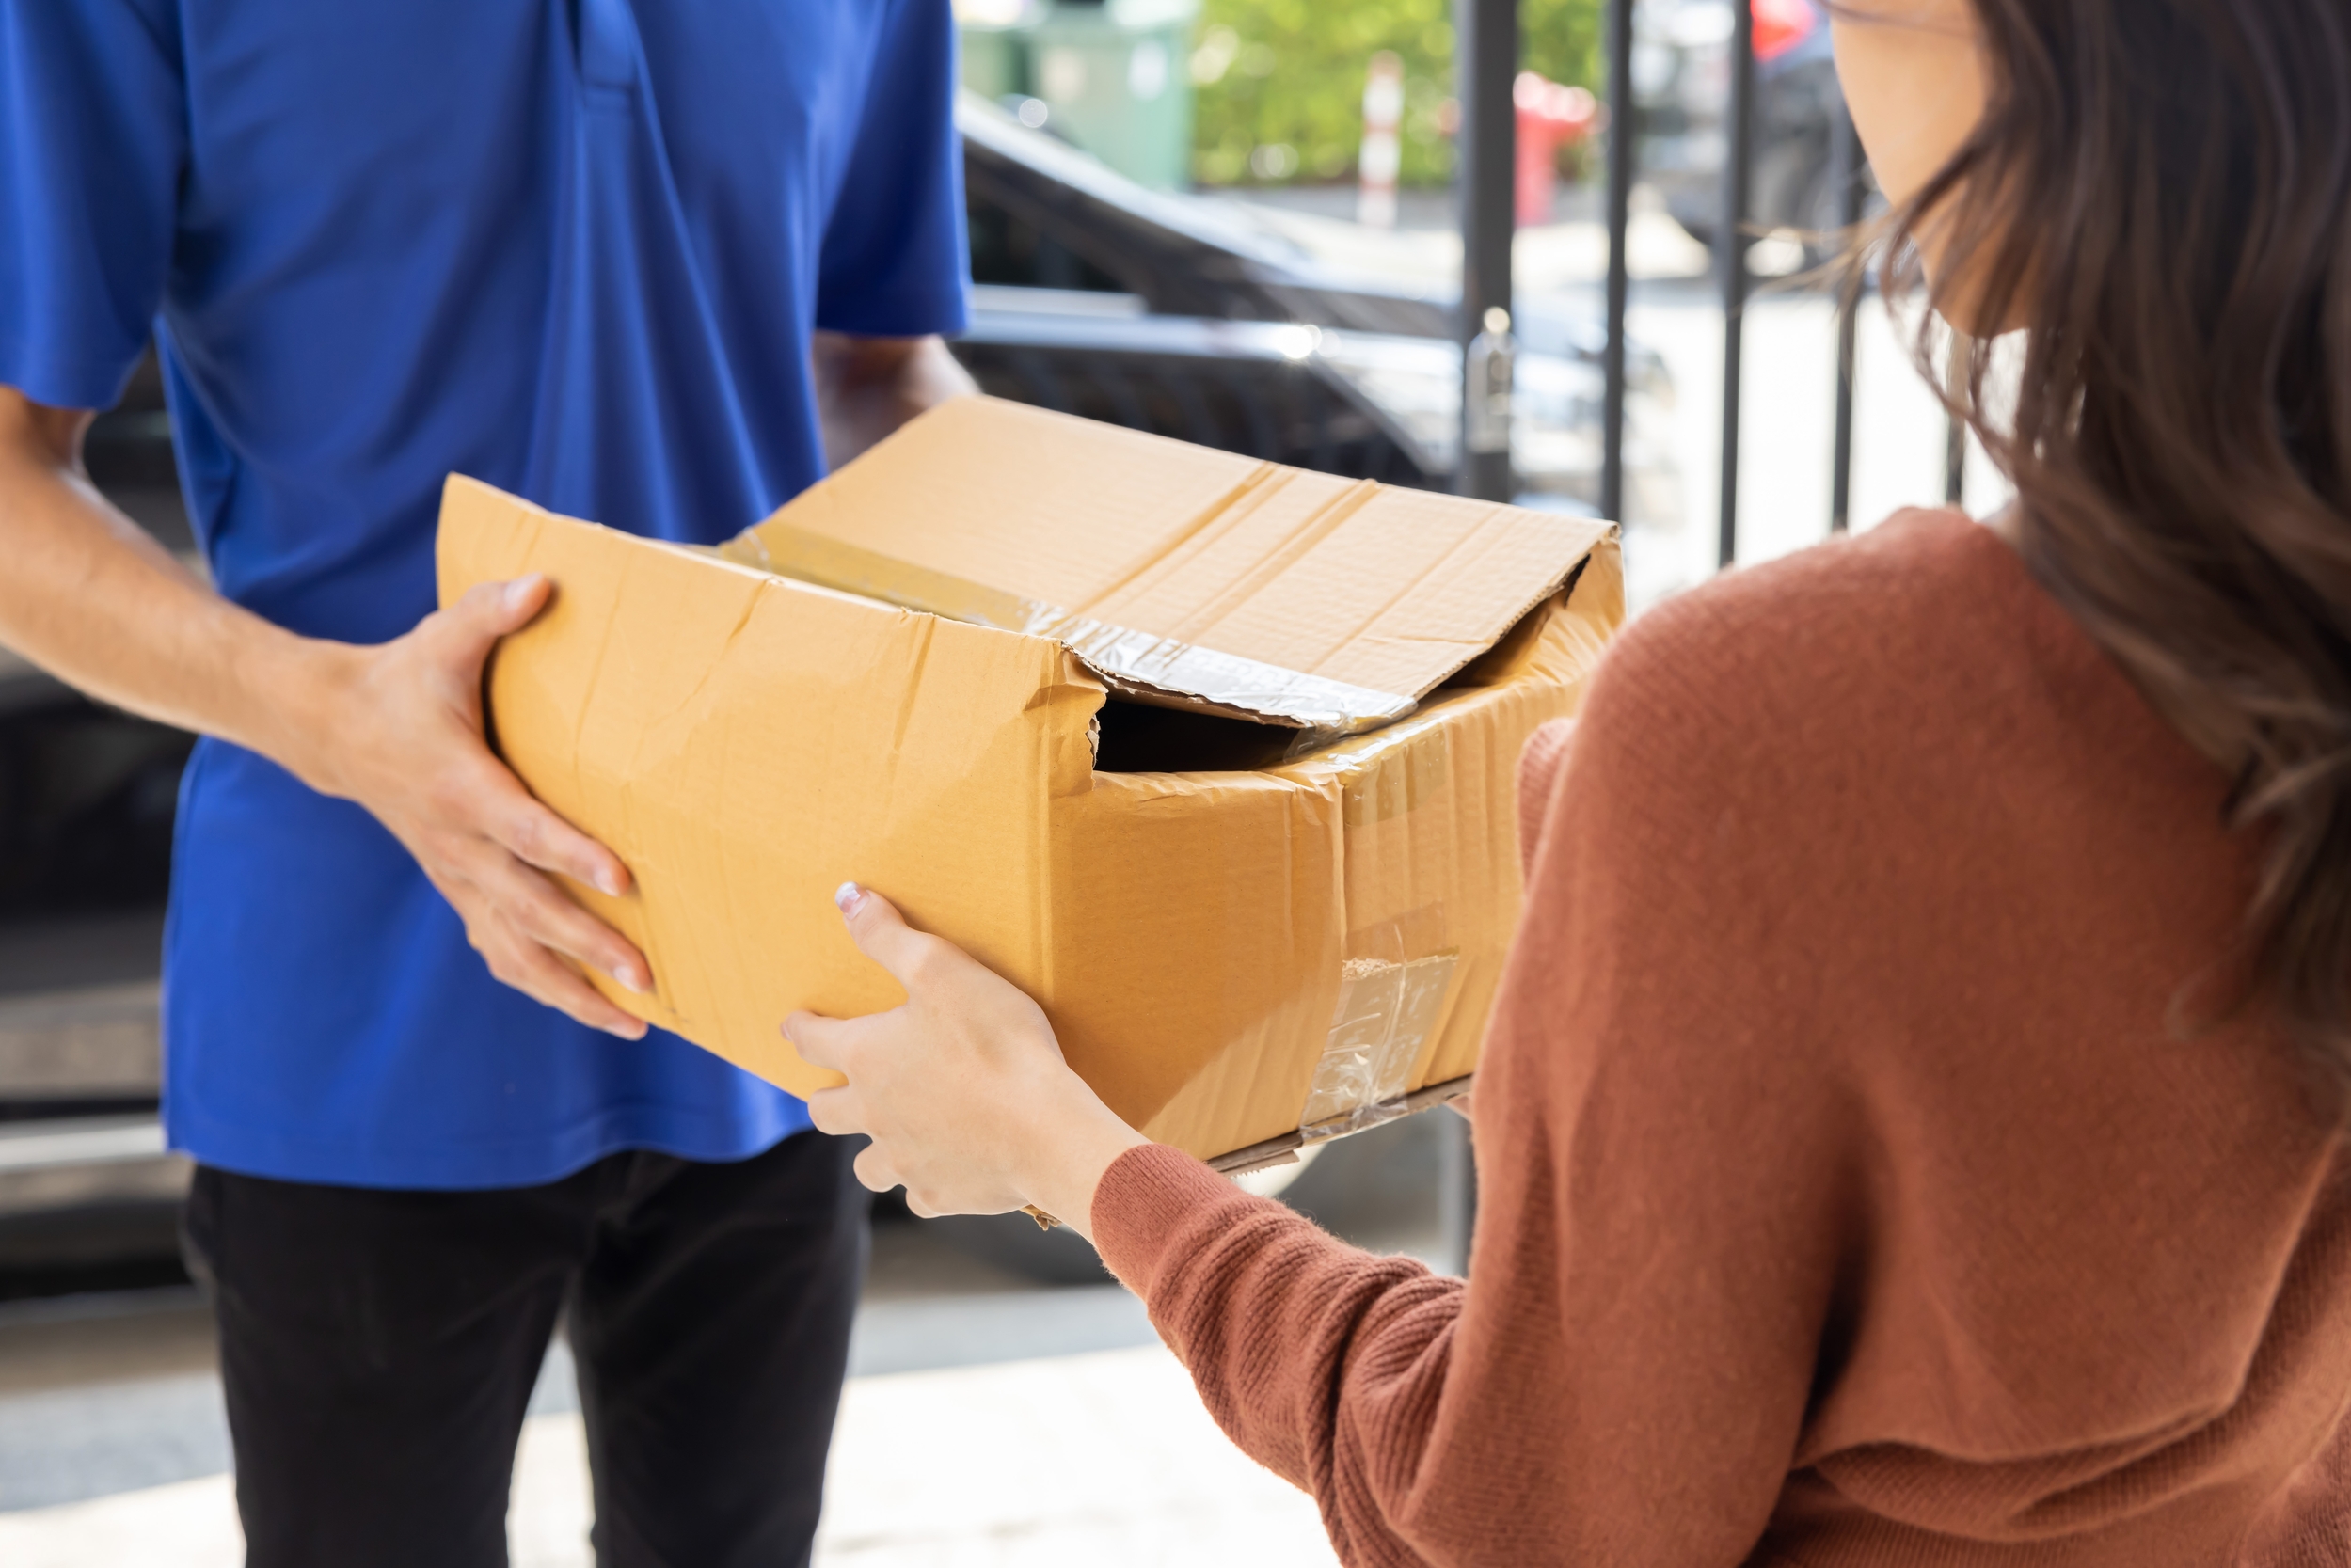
(737, 921)
(627, 792)
(1138, 664)
(1044, 951)
(1265, 480)
(709, 671)
(926, 631)
(1406, 590)
(1313, 529)
(702, 683)
(587, 697)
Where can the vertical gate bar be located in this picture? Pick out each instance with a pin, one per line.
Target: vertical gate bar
(1845, 174)
(1487, 36)
(1955, 429)
(1730, 243)
(1487, 41)
(1623, 128)
(1457, 1188)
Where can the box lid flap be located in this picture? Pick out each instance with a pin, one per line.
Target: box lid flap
(1180, 574)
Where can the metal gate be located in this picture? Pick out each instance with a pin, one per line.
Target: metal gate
(1488, 35)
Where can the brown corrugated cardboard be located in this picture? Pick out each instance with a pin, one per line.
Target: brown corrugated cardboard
(1226, 955)
(1289, 597)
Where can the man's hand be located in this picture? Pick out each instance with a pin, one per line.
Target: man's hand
(868, 387)
(964, 1090)
(402, 736)
(90, 596)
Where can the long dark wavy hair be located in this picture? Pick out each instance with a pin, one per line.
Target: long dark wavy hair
(2159, 192)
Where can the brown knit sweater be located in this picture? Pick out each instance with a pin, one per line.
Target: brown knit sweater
(1846, 1198)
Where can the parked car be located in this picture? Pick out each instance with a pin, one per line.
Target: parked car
(1095, 296)
(1681, 82)
(1124, 304)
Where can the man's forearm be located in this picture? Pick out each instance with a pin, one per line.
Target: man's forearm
(90, 596)
(396, 726)
(868, 387)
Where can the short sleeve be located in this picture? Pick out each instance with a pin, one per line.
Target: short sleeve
(894, 262)
(92, 136)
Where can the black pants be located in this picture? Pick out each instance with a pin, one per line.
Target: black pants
(379, 1349)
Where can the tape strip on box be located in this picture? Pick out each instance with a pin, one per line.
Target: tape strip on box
(1387, 1004)
(1284, 1150)
(1385, 1010)
(1139, 664)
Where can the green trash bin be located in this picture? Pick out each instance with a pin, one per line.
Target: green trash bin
(1116, 78)
(995, 57)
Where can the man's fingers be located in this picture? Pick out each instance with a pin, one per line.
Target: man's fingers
(489, 610)
(882, 935)
(535, 835)
(549, 918)
(822, 1041)
(540, 975)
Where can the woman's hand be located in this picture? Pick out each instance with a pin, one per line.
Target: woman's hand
(962, 1089)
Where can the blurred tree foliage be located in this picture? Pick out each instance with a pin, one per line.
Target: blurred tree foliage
(1279, 83)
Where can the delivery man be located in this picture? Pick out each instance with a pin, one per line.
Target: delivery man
(584, 250)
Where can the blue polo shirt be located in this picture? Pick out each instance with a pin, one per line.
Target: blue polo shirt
(572, 248)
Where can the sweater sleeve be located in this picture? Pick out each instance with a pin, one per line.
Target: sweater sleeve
(1661, 1155)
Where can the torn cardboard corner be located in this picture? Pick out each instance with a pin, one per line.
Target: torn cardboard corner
(901, 679)
(1177, 574)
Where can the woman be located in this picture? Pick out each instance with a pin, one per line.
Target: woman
(1909, 1131)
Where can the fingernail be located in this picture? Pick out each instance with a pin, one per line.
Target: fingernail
(520, 589)
(608, 883)
(619, 1033)
(634, 979)
(849, 896)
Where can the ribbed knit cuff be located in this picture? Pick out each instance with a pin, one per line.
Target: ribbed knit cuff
(1140, 1202)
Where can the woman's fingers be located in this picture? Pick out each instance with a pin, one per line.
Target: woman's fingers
(875, 1172)
(836, 1111)
(911, 958)
(822, 1041)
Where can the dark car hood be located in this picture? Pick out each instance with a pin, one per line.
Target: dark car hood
(1185, 256)
(1189, 256)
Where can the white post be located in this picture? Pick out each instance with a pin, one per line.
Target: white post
(1382, 154)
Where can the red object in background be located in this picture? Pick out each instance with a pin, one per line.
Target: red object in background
(1550, 116)
(1782, 25)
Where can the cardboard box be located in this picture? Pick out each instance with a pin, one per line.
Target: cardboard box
(904, 678)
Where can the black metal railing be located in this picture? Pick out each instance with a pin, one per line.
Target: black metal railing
(1488, 32)
(1733, 240)
(1486, 36)
(1730, 255)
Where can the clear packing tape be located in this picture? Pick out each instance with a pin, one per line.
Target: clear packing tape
(1139, 664)
(1387, 1008)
